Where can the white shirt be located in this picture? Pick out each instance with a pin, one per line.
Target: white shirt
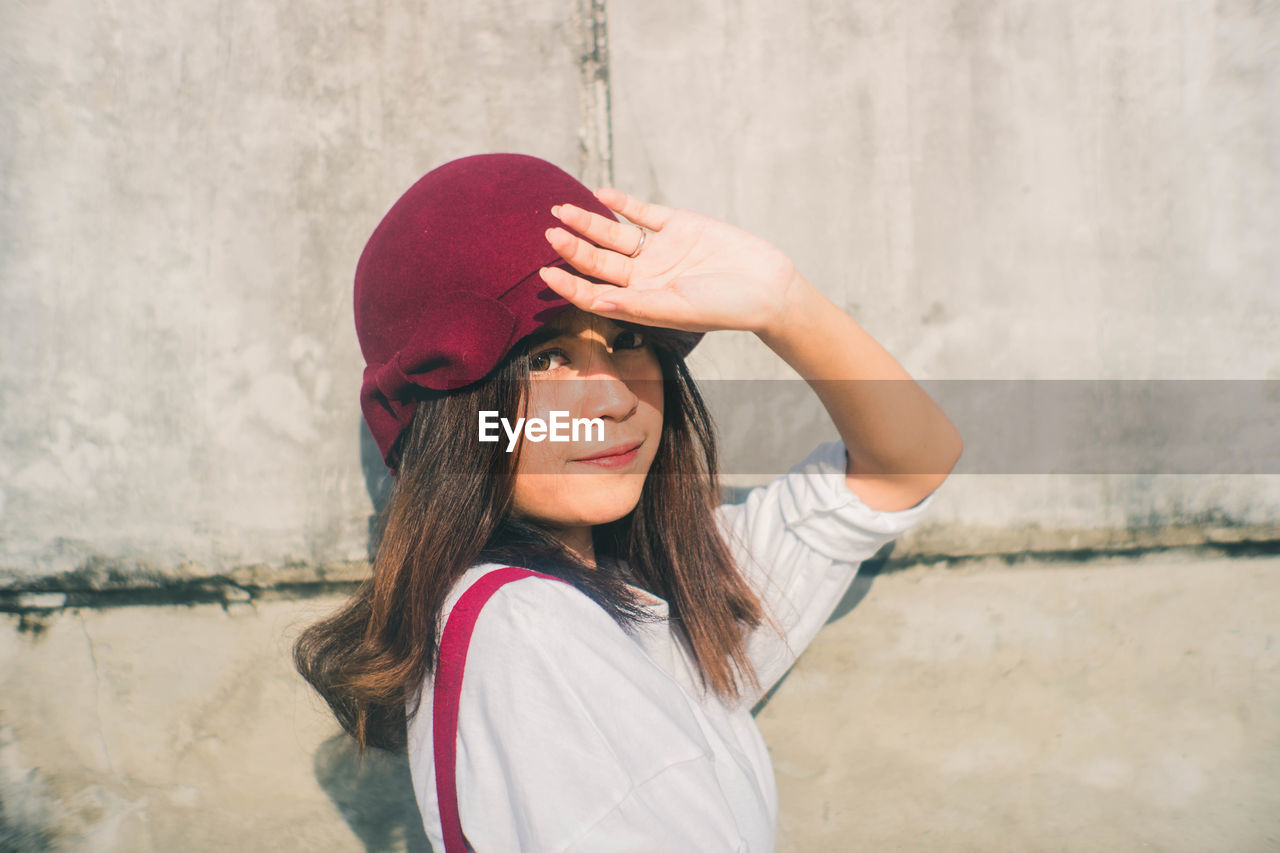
(575, 737)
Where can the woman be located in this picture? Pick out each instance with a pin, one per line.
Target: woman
(606, 706)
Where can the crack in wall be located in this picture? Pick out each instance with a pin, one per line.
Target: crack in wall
(595, 129)
(97, 694)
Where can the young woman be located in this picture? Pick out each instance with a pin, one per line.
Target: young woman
(606, 702)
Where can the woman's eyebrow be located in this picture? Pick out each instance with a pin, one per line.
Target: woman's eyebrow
(546, 333)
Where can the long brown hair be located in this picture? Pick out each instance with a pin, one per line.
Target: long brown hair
(449, 509)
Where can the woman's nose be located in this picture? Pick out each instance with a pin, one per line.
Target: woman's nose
(603, 392)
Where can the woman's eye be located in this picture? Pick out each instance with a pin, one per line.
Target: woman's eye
(539, 362)
(629, 340)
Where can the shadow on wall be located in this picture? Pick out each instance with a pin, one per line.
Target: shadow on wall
(29, 813)
(21, 829)
(375, 797)
(376, 479)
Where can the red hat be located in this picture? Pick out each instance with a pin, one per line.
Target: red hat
(448, 283)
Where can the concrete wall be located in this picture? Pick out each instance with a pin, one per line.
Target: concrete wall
(1082, 191)
(994, 190)
(1076, 190)
(187, 191)
(1119, 705)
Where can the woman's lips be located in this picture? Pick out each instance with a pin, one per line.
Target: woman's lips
(617, 460)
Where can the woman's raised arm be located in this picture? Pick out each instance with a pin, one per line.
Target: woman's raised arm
(900, 444)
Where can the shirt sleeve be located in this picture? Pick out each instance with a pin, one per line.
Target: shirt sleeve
(798, 542)
(572, 738)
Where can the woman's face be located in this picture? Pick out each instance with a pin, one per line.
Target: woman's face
(591, 369)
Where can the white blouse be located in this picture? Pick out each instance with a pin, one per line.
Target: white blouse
(574, 736)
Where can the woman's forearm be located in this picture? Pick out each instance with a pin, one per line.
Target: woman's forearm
(891, 428)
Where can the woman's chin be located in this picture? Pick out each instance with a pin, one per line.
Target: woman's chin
(605, 508)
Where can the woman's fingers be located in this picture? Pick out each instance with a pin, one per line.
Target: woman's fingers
(622, 237)
(592, 260)
(582, 293)
(650, 215)
(650, 307)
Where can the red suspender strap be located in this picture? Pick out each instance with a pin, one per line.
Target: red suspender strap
(448, 689)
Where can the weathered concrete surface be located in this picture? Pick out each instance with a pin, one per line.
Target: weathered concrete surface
(1101, 706)
(1078, 190)
(1085, 190)
(1082, 190)
(186, 192)
(1115, 705)
(157, 729)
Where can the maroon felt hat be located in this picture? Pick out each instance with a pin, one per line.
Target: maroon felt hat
(448, 282)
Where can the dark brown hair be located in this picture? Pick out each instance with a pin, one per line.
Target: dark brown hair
(449, 509)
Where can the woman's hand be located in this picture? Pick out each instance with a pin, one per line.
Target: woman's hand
(692, 273)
